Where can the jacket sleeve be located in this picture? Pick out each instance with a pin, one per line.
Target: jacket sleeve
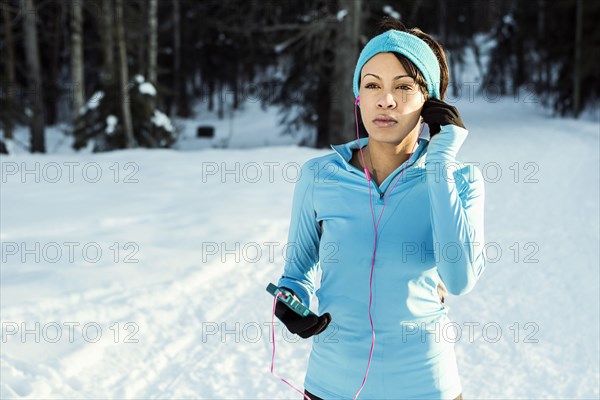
(302, 250)
(456, 193)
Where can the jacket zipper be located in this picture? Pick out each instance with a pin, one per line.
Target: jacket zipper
(381, 194)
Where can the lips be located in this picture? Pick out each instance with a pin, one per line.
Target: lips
(384, 121)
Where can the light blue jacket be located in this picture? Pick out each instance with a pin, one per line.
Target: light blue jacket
(432, 229)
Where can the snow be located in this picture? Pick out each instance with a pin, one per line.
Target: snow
(232, 131)
(139, 78)
(278, 48)
(153, 264)
(389, 10)
(147, 88)
(161, 120)
(341, 14)
(111, 123)
(92, 103)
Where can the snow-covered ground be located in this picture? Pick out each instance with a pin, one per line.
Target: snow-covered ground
(142, 274)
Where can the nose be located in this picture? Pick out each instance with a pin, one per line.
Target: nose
(386, 101)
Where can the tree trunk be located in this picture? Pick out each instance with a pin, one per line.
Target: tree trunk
(176, 56)
(442, 21)
(153, 46)
(77, 58)
(181, 93)
(221, 104)
(341, 124)
(34, 77)
(477, 55)
(54, 65)
(106, 34)
(414, 11)
(453, 66)
(123, 77)
(541, 22)
(9, 65)
(577, 69)
(141, 46)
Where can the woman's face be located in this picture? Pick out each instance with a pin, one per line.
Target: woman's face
(390, 100)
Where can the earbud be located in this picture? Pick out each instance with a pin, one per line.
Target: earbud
(357, 100)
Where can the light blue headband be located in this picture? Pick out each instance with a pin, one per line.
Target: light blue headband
(410, 46)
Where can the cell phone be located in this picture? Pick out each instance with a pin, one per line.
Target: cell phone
(289, 300)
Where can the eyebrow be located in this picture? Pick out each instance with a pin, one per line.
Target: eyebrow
(398, 77)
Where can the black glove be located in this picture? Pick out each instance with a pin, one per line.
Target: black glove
(304, 327)
(435, 113)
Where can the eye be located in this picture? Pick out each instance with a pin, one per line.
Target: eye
(369, 85)
(405, 87)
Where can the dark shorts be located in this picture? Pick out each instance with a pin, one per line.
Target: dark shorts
(313, 397)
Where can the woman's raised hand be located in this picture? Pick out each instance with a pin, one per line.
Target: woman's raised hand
(436, 113)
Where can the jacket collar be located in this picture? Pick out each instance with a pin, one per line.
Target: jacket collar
(344, 151)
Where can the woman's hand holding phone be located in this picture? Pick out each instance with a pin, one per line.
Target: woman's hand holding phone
(304, 327)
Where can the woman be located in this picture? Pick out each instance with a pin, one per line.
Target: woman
(388, 219)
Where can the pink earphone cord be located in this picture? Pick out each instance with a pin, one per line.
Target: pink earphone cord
(273, 354)
(376, 226)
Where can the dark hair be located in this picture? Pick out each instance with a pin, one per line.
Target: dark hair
(388, 23)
